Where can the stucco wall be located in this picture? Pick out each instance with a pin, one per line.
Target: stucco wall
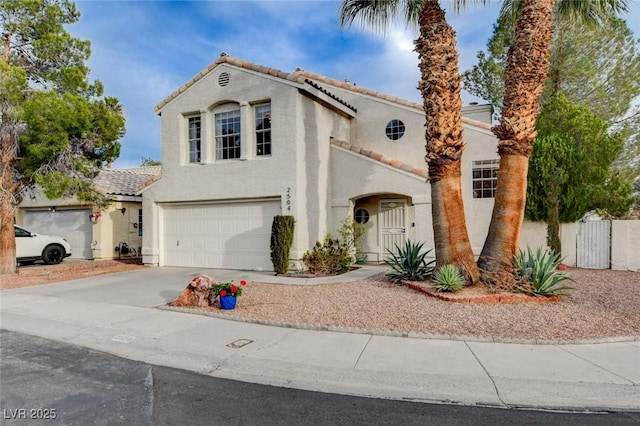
(625, 245)
(534, 235)
(114, 228)
(365, 181)
(480, 145)
(625, 235)
(296, 172)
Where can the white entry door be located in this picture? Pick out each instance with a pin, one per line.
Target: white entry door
(392, 225)
(225, 235)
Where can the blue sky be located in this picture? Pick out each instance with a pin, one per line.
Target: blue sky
(144, 50)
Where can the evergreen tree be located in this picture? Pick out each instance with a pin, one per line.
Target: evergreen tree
(570, 168)
(57, 127)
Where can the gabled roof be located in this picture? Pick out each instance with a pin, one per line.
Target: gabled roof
(125, 181)
(302, 77)
(226, 59)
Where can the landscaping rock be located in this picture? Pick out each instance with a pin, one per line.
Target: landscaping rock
(197, 293)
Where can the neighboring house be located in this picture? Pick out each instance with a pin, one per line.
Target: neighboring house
(242, 143)
(94, 234)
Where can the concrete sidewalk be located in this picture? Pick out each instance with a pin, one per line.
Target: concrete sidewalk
(117, 314)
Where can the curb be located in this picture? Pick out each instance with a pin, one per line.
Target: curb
(397, 333)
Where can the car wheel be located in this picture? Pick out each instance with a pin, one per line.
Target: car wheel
(53, 254)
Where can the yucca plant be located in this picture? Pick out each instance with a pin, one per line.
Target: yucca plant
(538, 273)
(448, 279)
(409, 263)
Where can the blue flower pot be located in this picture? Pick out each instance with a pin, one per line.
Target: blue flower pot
(227, 302)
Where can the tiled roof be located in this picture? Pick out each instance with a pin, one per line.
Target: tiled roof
(222, 59)
(380, 158)
(300, 76)
(331, 95)
(352, 87)
(126, 181)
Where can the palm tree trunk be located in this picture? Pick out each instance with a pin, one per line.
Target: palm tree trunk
(7, 196)
(440, 89)
(525, 75)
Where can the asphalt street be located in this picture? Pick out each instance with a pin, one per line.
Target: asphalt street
(44, 382)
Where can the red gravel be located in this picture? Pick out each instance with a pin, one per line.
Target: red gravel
(604, 304)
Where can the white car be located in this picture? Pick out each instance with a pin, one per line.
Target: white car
(31, 247)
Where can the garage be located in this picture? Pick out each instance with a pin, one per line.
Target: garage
(73, 224)
(221, 235)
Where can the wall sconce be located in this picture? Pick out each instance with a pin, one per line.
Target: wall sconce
(52, 209)
(123, 210)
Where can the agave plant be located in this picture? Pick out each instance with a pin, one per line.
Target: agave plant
(409, 263)
(538, 271)
(448, 279)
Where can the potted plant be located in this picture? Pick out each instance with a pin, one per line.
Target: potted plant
(227, 293)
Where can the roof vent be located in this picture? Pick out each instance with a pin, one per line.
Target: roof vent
(223, 54)
(223, 78)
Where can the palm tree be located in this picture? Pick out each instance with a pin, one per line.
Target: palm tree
(525, 76)
(440, 88)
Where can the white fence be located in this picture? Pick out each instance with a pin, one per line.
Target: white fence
(624, 251)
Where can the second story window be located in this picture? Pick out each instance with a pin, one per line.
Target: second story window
(485, 178)
(395, 130)
(263, 129)
(194, 139)
(228, 135)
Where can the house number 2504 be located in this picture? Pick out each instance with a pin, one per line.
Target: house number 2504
(288, 198)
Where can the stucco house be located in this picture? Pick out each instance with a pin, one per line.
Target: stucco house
(243, 142)
(92, 233)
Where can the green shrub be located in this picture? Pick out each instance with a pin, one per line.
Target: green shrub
(329, 257)
(409, 263)
(538, 275)
(448, 279)
(281, 240)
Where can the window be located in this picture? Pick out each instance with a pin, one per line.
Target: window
(263, 129)
(139, 222)
(21, 232)
(194, 139)
(228, 135)
(485, 178)
(362, 216)
(395, 130)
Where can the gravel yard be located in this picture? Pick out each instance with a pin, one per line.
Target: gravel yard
(604, 304)
(69, 269)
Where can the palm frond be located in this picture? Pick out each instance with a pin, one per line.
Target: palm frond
(593, 12)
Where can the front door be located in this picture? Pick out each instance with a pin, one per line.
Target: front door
(392, 225)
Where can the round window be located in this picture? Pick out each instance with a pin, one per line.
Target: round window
(395, 130)
(362, 216)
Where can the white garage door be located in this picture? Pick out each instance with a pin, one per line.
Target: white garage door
(74, 225)
(230, 235)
